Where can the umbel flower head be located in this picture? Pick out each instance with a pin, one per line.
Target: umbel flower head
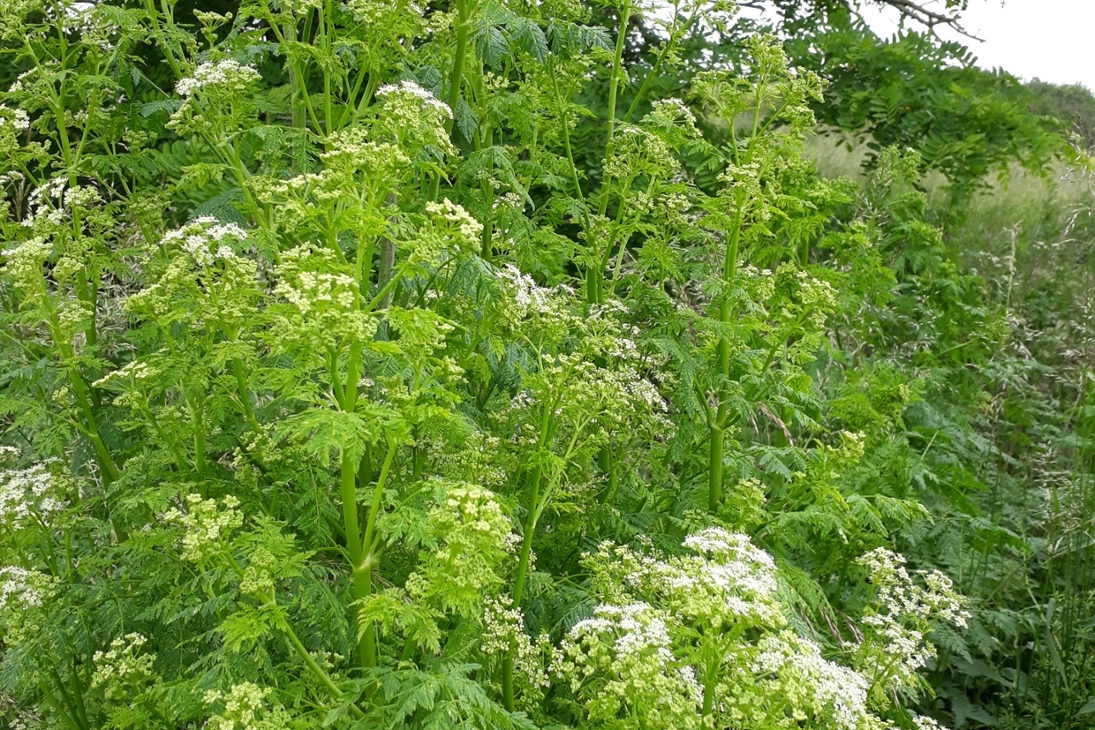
(28, 495)
(411, 90)
(206, 239)
(226, 76)
(207, 528)
(898, 622)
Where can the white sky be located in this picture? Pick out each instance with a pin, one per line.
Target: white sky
(1053, 40)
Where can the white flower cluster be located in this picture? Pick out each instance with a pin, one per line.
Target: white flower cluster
(904, 650)
(122, 666)
(718, 542)
(45, 202)
(509, 200)
(895, 645)
(226, 74)
(206, 239)
(633, 629)
(899, 595)
(529, 298)
(504, 634)
(50, 201)
(731, 582)
(813, 684)
(245, 708)
(21, 589)
(469, 228)
(676, 109)
(25, 495)
(207, 527)
(17, 85)
(409, 89)
(16, 118)
(620, 663)
(922, 722)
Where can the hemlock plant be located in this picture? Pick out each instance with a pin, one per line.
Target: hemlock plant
(339, 392)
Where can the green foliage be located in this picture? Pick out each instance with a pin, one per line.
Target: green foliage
(389, 367)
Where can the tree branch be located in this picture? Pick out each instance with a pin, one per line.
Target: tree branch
(917, 12)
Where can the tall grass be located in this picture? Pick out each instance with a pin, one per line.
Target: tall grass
(1027, 515)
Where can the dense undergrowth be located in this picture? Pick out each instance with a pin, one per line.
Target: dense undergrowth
(356, 374)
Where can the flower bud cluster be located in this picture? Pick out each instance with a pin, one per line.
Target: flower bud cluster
(245, 708)
(504, 635)
(122, 667)
(208, 529)
(468, 228)
(620, 662)
(472, 541)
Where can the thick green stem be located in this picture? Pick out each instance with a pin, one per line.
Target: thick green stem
(245, 397)
(110, 472)
(534, 508)
(464, 10)
(456, 73)
(607, 465)
(199, 450)
(348, 492)
(708, 694)
(595, 272)
(613, 88)
(296, 83)
(717, 436)
(715, 468)
(519, 583)
(370, 559)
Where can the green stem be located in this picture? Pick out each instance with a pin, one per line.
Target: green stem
(196, 414)
(348, 492)
(456, 73)
(110, 471)
(534, 508)
(464, 10)
(317, 670)
(673, 38)
(709, 691)
(565, 129)
(718, 427)
(715, 468)
(613, 88)
(245, 398)
(371, 559)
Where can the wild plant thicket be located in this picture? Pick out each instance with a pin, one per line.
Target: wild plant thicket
(339, 391)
